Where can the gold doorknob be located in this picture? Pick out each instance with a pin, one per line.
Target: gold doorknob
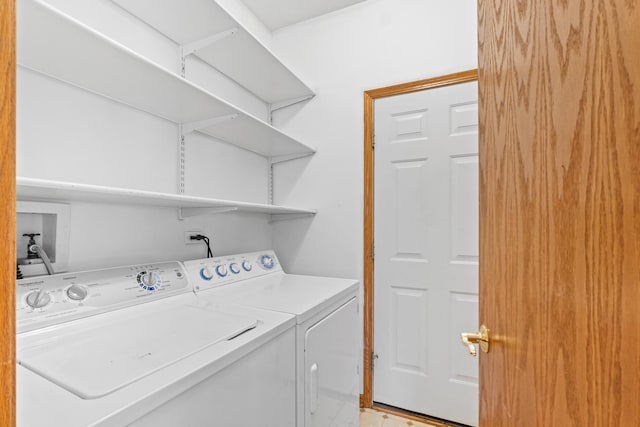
(470, 339)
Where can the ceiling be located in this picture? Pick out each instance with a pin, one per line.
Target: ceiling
(279, 13)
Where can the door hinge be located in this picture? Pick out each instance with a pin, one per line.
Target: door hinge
(373, 142)
(373, 251)
(374, 356)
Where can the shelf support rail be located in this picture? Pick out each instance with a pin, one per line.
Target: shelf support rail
(285, 104)
(190, 212)
(288, 157)
(186, 128)
(274, 160)
(290, 216)
(193, 47)
(207, 123)
(181, 159)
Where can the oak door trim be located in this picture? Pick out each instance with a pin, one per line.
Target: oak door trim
(7, 212)
(369, 97)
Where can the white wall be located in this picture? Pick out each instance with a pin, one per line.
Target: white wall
(68, 134)
(372, 44)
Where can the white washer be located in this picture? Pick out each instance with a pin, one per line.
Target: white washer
(327, 337)
(134, 346)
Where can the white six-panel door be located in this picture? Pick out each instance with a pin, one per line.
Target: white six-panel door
(426, 251)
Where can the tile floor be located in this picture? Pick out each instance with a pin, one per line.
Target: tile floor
(373, 418)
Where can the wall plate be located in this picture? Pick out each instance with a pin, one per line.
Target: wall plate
(187, 237)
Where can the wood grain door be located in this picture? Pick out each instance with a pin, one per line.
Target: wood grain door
(7, 211)
(560, 212)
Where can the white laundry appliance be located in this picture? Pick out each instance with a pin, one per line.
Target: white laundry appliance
(326, 310)
(134, 346)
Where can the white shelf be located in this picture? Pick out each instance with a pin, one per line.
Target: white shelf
(34, 189)
(59, 46)
(235, 51)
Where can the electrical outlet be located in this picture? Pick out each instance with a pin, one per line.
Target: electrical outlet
(187, 237)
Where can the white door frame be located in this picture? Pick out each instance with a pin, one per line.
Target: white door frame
(366, 400)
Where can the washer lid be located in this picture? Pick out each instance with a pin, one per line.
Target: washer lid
(96, 361)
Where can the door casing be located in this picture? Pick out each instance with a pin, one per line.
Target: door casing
(7, 212)
(366, 400)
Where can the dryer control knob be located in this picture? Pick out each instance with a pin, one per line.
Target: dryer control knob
(267, 262)
(206, 273)
(246, 265)
(76, 292)
(235, 268)
(221, 270)
(38, 298)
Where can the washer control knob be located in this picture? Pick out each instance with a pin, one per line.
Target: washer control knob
(206, 273)
(246, 265)
(221, 270)
(76, 292)
(267, 262)
(148, 280)
(38, 298)
(234, 268)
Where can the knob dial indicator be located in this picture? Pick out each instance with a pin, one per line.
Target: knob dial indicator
(235, 268)
(267, 262)
(38, 298)
(148, 280)
(222, 270)
(76, 292)
(206, 273)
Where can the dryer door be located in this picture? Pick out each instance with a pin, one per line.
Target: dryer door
(331, 369)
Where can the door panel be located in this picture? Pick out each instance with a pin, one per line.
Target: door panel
(464, 312)
(409, 177)
(464, 209)
(426, 250)
(409, 330)
(560, 212)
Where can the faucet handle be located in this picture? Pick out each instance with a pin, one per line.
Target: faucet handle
(31, 236)
(31, 251)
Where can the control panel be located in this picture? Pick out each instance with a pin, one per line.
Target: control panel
(212, 272)
(48, 300)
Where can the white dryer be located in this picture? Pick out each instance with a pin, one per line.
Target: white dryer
(327, 338)
(134, 346)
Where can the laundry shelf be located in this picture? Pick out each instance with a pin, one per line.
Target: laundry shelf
(68, 50)
(211, 32)
(35, 189)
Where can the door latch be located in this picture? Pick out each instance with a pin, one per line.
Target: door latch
(469, 339)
